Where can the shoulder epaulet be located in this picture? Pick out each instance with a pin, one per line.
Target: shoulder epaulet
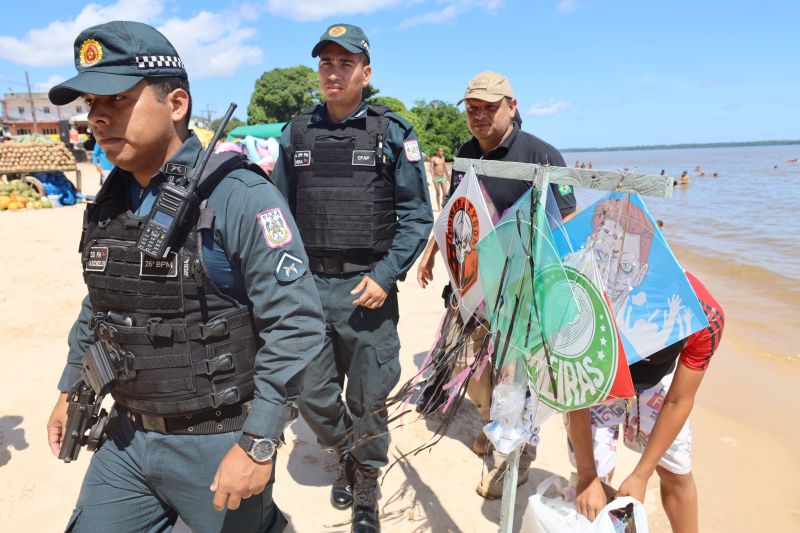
(308, 110)
(220, 165)
(383, 111)
(394, 117)
(377, 109)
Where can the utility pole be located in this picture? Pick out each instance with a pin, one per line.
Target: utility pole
(33, 106)
(208, 113)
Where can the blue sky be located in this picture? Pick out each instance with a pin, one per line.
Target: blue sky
(585, 72)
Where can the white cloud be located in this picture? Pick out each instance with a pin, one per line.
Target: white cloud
(319, 9)
(550, 108)
(450, 10)
(568, 6)
(45, 86)
(51, 46)
(211, 44)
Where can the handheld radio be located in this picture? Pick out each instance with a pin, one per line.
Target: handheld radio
(173, 204)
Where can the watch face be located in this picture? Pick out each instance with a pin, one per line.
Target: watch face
(263, 450)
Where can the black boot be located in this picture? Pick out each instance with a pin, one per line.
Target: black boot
(342, 489)
(365, 501)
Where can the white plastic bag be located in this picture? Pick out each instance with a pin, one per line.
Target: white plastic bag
(546, 514)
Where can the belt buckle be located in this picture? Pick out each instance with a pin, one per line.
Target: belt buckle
(332, 265)
(153, 423)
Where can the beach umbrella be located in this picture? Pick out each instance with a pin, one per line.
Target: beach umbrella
(651, 299)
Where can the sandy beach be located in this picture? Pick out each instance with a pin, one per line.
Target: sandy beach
(746, 421)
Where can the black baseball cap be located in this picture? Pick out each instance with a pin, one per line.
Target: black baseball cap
(113, 57)
(349, 37)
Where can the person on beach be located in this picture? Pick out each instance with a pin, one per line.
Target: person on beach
(354, 177)
(101, 162)
(215, 336)
(491, 112)
(656, 424)
(440, 181)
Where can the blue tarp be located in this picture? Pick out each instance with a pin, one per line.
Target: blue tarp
(57, 183)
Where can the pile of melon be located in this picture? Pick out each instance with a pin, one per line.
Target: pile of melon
(18, 157)
(20, 195)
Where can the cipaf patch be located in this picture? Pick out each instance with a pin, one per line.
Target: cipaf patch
(412, 150)
(276, 230)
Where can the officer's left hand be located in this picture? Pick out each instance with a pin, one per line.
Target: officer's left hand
(238, 477)
(373, 295)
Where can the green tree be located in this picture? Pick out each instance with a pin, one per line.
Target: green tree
(281, 94)
(439, 124)
(232, 123)
(369, 92)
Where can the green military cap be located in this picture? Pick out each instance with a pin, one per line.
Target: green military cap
(113, 57)
(349, 37)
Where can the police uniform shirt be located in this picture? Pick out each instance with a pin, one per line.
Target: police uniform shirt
(521, 147)
(249, 265)
(412, 205)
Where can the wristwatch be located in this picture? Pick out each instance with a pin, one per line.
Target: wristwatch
(261, 450)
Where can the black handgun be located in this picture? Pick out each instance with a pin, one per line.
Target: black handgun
(83, 413)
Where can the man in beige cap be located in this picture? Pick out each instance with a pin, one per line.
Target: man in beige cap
(494, 122)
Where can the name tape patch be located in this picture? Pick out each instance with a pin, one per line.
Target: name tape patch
(412, 150)
(302, 158)
(276, 230)
(98, 259)
(364, 158)
(150, 267)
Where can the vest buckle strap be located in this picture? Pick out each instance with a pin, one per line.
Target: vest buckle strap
(227, 397)
(220, 363)
(215, 328)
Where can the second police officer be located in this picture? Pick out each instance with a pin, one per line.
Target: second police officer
(214, 338)
(356, 184)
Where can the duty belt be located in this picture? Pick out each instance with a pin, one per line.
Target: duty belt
(222, 420)
(341, 265)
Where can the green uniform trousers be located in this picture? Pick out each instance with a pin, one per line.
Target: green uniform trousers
(362, 345)
(140, 481)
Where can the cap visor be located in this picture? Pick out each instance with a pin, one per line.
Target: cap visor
(347, 46)
(482, 96)
(99, 83)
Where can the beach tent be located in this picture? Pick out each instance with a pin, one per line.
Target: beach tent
(262, 131)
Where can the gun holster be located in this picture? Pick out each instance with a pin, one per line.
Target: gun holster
(84, 413)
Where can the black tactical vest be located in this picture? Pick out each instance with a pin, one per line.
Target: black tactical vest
(187, 347)
(345, 194)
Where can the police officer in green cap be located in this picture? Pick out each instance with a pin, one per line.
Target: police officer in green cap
(214, 338)
(355, 181)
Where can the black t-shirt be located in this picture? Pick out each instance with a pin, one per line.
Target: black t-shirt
(520, 147)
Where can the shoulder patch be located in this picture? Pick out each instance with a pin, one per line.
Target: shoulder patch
(412, 150)
(564, 189)
(276, 231)
(289, 268)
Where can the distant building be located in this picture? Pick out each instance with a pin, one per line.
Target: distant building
(17, 115)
